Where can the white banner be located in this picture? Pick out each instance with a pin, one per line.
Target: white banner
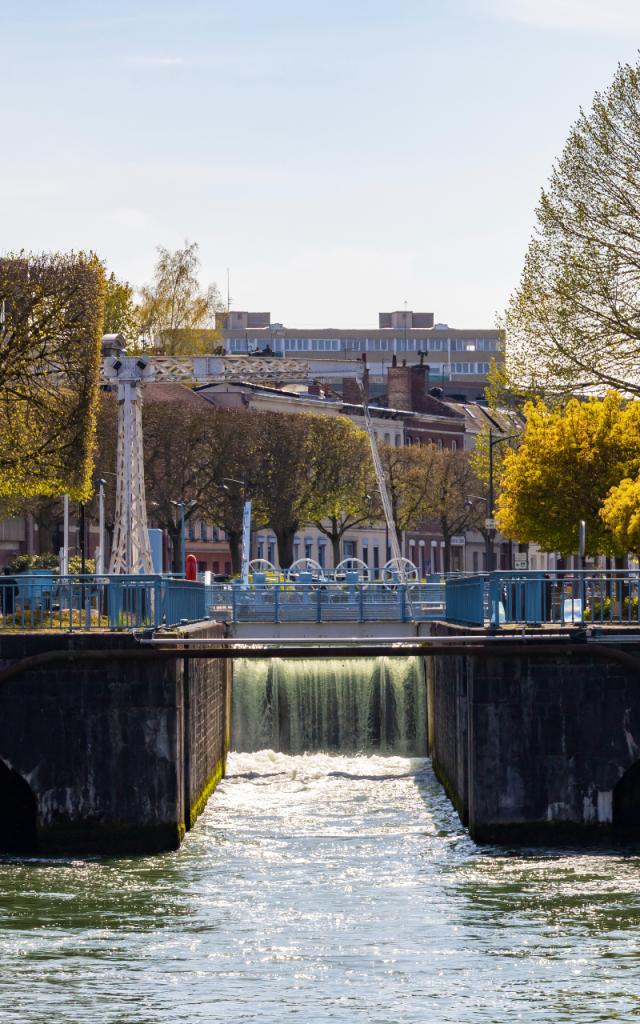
(246, 541)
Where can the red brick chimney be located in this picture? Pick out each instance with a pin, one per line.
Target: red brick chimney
(408, 387)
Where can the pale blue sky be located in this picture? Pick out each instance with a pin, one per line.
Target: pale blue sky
(339, 157)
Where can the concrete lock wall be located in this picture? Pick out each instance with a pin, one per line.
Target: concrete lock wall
(120, 755)
(534, 749)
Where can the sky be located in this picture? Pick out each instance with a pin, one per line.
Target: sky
(340, 158)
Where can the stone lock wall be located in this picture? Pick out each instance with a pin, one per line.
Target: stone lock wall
(530, 748)
(120, 755)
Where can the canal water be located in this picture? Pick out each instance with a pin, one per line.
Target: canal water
(323, 888)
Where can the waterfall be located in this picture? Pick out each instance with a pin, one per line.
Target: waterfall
(351, 705)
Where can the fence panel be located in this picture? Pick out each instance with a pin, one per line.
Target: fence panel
(465, 599)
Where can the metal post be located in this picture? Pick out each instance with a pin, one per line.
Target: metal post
(490, 531)
(64, 568)
(82, 531)
(582, 541)
(100, 561)
(183, 551)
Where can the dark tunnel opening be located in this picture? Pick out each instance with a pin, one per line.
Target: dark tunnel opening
(18, 813)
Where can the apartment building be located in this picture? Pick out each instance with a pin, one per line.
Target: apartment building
(454, 355)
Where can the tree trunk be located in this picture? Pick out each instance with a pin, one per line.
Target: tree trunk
(284, 537)
(447, 553)
(235, 537)
(335, 547)
(173, 532)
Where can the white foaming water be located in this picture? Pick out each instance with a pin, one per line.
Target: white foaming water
(349, 705)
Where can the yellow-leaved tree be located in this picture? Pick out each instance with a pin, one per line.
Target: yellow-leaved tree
(51, 315)
(621, 514)
(564, 469)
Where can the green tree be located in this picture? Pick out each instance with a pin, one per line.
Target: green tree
(121, 311)
(450, 504)
(174, 309)
(574, 322)
(408, 478)
(284, 490)
(174, 463)
(565, 467)
(343, 479)
(51, 316)
(231, 460)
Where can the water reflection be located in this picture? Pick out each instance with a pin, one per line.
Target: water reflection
(337, 889)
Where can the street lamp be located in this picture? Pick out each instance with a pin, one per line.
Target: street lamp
(246, 522)
(182, 505)
(490, 522)
(232, 480)
(100, 560)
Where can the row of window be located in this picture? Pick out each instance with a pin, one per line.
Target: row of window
(469, 368)
(242, 346)
(202, 531)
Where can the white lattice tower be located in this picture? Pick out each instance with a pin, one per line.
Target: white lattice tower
(131, 550)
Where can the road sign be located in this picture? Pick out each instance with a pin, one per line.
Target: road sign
(520, 560)
(489, 523)
(457, 541)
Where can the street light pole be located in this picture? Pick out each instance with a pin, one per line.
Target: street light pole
(183, 552)
(491, 530)
(101, 559)
(491, 533)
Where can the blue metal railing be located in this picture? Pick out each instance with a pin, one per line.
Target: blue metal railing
(36, 601)
(564, 597)
(325, 602)
(465, 600)
(30, 601)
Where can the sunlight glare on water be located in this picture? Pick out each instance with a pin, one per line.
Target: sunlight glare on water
(323, 888)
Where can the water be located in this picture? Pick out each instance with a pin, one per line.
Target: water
(323, 888)
(346, 705)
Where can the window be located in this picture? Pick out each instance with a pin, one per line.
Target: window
(350, 549)
(475, 561)
(191, 530)
(271, 551)
(454, 445)
(202, 566)
(376, 556)
(227, 568)
(398, 440)
(216, 567)
(204, 531)
(259, 550)
(321, 554)
(308, 549)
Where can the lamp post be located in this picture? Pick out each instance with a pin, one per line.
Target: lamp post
(232, 480)
(100, 559)
(82, 539)
(246, 522)
(182, 505)
(490, 521)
